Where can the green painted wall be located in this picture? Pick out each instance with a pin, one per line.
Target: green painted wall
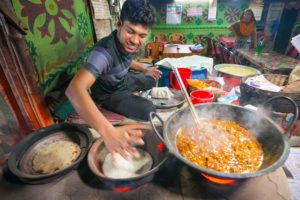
(57, 32)
(227, 13)
(59, 37)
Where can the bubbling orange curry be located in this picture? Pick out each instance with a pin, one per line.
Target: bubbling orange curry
(220, 145)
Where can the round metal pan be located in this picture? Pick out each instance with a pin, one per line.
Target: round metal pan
(221, 69)
(20, 159)
(176, 101)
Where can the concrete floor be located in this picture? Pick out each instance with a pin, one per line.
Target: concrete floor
(171, 182)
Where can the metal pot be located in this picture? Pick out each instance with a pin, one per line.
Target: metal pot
(153, 146)
(269, 135)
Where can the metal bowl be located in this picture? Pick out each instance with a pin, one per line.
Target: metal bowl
(152, 145)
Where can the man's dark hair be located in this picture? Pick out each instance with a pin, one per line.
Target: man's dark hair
(138, 12)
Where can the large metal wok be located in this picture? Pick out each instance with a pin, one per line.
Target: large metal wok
(271, 137)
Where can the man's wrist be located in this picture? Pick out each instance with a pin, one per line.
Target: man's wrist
(144, 69)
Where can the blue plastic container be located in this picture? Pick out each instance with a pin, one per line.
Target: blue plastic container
(200, 74)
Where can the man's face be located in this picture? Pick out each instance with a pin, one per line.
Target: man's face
(131, 36)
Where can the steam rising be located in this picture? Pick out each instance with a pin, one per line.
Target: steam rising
(217, 140)
(254, 122)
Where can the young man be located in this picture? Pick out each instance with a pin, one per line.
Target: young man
(106, 74)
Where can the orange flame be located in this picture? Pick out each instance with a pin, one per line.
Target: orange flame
(123, 189)
(219, 180)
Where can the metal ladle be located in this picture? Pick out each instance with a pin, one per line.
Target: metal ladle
(186, 95)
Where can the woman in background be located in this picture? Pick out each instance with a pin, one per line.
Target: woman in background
(244, 31)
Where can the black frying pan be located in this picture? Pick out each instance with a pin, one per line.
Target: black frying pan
(20, 159)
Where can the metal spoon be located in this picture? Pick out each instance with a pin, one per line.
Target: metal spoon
(186, 95)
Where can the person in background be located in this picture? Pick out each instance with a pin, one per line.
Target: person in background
(106, 75)
(245, 31)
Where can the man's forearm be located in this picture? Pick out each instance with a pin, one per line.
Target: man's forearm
(88, 111)
(138, 66)
(84, 105)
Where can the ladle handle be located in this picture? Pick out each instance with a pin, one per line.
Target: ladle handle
(186, 95)
(296, 112)
(152, 116)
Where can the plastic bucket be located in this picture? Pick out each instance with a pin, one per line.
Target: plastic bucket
(185, 73)
(201, 96)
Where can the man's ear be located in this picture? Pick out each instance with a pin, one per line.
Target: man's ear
(119, 23)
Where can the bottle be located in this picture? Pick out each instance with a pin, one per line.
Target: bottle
(259, 47)
(248, 45)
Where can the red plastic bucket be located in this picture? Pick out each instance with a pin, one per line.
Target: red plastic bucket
(201, 96)
(185, 73)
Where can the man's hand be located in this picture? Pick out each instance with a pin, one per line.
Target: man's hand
(154, 72)
(293, 87)
(122, 139)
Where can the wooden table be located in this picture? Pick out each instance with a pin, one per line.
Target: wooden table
(227, 41)
(268, 60)
(179, 50)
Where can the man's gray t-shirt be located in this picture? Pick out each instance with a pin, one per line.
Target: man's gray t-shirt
(109, 65)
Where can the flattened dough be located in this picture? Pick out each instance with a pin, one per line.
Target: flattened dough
(55, 156)
(123, 168)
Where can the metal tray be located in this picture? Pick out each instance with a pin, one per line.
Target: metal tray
(176, 101)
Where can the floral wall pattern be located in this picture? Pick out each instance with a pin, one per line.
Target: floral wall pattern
(54, 13)
(59, 37)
